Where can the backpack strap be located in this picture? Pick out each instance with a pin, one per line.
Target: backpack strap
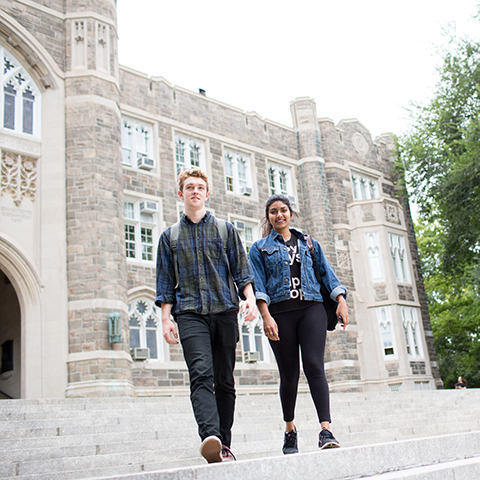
(173, 244)
(223, 231)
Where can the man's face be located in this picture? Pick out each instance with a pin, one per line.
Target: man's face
(194, 192)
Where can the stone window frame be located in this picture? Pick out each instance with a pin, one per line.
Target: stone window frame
(189, 152)
(374, 254)
(251, 231)
(132, 150)
(102, 47)
(399, 254)
(370, 183)
(151, 314)
(140, 221)
(238, 178)
(274, 171)
(386, 331)
(23, 94)
(253, 338)
(413, 337)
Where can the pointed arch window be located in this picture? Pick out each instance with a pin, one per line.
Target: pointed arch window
(385, 325)
(189, 153)
(280, 180)
(144, 320)
(374, 256)
(411, 329)
(20, 102)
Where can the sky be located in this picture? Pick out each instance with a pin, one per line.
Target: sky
(363, 59)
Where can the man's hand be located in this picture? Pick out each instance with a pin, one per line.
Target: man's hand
(170, 332)
(169, 329)
(249, 304)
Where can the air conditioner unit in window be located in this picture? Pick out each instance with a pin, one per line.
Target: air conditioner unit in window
(240, 226)
(146, 163)
(246, 191)
(140, 353)
(251, 357)
(148, 207)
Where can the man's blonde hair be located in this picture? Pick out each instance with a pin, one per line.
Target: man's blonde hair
(193, 172)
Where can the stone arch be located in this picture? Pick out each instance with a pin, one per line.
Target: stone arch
(21, 43)
(146, 296)
(27, 286)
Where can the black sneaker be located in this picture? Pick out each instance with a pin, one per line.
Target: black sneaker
(327, 440)
(290, 442)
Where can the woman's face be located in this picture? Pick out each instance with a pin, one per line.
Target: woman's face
(279, 216)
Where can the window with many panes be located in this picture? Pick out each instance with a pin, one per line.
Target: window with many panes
(411, 330)
(364, 186)
(280, 179)
(399, 257)
(189, 153)
(137, 144)
(20, 105)
(141, 219)
(238, 175)
(374, 256)
(248, 232)
(385, 325)
(144, 319)
(253, 338)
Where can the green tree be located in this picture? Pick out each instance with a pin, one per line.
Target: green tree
(440, 156)
(454, 307)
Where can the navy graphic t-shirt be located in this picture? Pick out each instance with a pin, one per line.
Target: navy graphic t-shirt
(296, 299)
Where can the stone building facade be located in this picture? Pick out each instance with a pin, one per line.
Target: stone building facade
(90, 152)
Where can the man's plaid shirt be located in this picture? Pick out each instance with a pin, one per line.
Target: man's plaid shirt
(202, 268)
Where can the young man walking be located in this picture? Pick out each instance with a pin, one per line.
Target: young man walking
(204, 303)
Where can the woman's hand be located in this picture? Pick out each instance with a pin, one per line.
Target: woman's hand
(342, 311)
(270, 328)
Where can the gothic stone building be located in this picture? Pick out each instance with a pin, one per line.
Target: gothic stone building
(90, 152)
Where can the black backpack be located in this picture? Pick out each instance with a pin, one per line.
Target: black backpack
(329, 304)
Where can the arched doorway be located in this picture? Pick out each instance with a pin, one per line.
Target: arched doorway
(10, 340)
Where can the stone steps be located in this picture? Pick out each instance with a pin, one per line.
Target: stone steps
(95, 438)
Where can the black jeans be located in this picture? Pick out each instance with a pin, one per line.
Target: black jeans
(209, 343)
(305, 330)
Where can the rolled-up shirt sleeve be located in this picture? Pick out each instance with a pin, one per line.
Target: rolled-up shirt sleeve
(258, 269)
(165, 281)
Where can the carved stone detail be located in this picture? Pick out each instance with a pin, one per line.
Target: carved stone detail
(392, 213)
(343, 259)
(359, 143)
(18, 176)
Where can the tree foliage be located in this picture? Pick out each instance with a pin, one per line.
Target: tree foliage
(454, 307)
(440, 157)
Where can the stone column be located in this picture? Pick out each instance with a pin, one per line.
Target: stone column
(341, 358)
(95, 219)
(316, 212)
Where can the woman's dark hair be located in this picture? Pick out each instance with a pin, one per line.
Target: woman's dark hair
(266, 225)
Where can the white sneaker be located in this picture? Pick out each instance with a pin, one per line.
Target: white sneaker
(211, 449)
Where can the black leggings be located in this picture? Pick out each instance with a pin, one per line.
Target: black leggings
(305, 328)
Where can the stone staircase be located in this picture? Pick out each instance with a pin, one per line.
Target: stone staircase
(408, 434)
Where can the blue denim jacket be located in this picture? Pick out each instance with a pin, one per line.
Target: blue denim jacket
(271, 270)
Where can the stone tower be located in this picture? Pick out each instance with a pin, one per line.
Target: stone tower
(321, 185)
(95, 249)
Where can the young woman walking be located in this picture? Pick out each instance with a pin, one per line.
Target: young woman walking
(294, 318)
